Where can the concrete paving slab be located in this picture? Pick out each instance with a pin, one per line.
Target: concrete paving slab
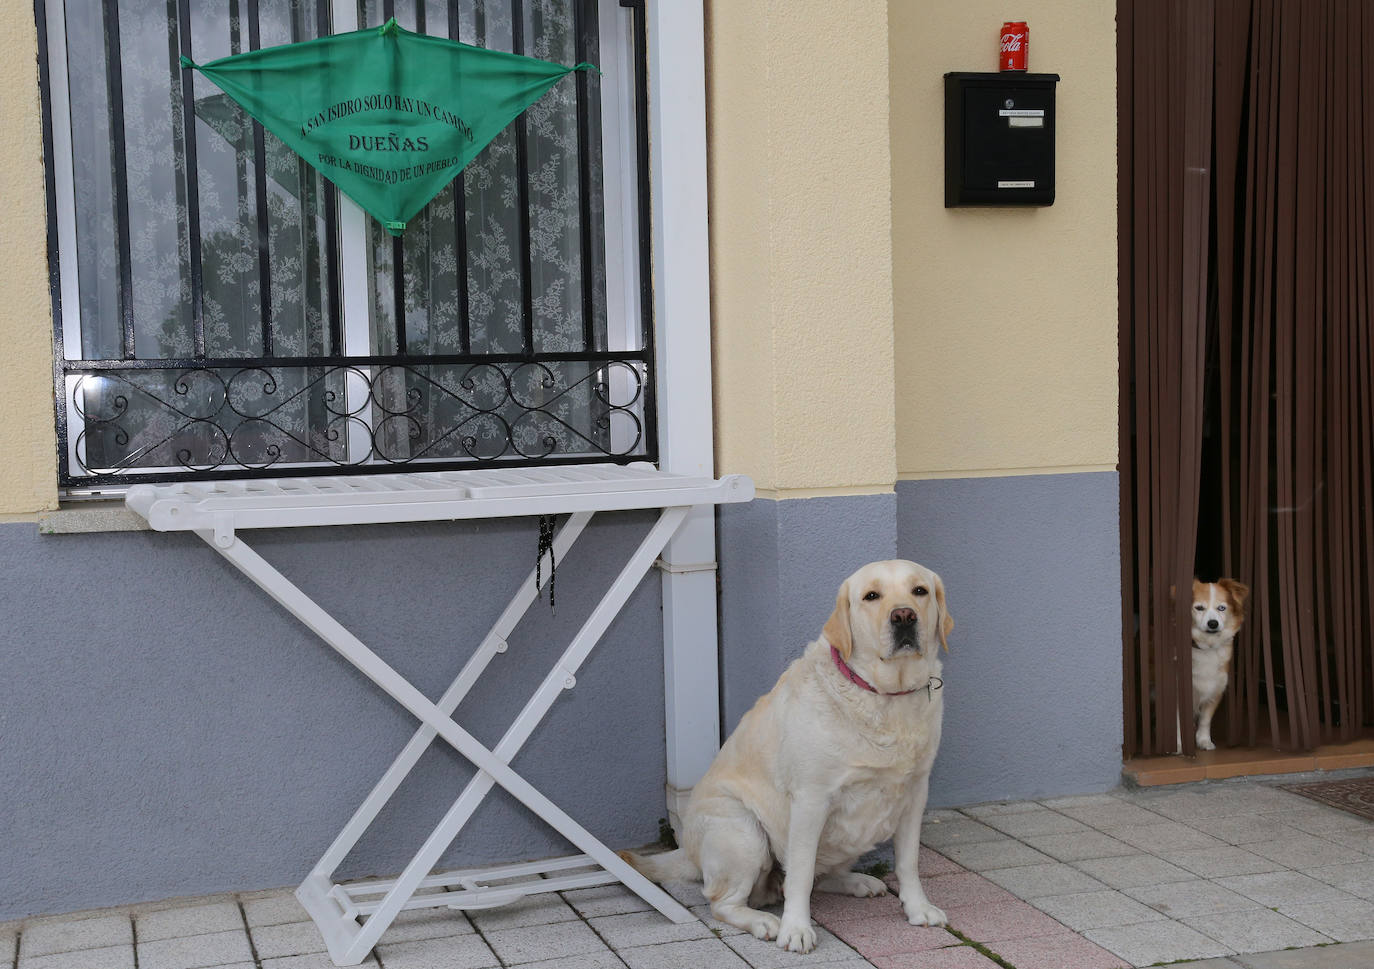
(694, 954)
(1351, 921)
(1191, 898)
(1133, 871)
(1096, 910)
(453, 952)
(176, 923)
(47, 936)
(1255, 930)
(1151, 942)
(1034, 881)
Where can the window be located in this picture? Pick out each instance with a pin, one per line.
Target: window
(222, 311)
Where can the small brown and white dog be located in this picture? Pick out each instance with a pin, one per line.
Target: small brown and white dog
(833, 759)
(1218, 611)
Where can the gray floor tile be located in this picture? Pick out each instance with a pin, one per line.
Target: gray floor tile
(45, 937)
(1255, 930)
(314, 960)
(995, 808)
(1279, 888)
(1003, 853)
(454, 952)
(196, 951)
(1318, 819)
(1151, 942)
(1117, 814)
(1350, 921)
(540, 943)
(9, 944)
(1156, 839)
(592, 960)
(1356, 878)
(1221, 862)
(1354, 955)
(1076, 847)
(605, 900)
(1133, 871)
(173, 923)
(1196, 897)
(1220, 962)
(544, 909)
(1302, 851)
(1037, 880)
(1043, 821)
(1361, 839)
(108, 957)
(697, 954)
(1222, 800)
(417, 924)
(766, 955)
(961, 831)
(1245, 829)
(645, 928)
(1079, 801)
(274, 909)
(1096, 910)
(290, 939)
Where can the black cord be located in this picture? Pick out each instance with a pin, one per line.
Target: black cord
(546, 523)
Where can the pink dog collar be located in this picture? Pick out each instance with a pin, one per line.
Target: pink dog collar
(934, 683)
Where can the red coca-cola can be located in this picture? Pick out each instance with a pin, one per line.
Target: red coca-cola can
(1015, 45)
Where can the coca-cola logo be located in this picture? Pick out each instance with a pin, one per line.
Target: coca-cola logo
(1011, 42)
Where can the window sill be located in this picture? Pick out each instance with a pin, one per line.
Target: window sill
(96, 516)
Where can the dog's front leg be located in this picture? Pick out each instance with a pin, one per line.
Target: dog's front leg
(906, 842)
(805, 821)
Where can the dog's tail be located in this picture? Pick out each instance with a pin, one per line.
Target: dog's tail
(670, 866)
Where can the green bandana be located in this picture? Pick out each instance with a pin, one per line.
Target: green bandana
(388, 115)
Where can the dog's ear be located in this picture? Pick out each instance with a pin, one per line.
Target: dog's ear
(837, 632)
(1199, 590)
(945, 624)
(1239, 592)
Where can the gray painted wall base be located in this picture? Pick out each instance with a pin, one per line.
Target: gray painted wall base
(167, 730)
(1033, 678)
(781, 563)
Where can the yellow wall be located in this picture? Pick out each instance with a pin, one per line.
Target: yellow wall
(1005, 318)
(800, 215)
(28, 442)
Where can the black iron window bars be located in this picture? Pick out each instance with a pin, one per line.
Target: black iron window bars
(233, 322)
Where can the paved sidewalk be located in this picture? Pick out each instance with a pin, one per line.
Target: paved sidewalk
(1223, 872)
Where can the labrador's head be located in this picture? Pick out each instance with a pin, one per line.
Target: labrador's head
(891, 609)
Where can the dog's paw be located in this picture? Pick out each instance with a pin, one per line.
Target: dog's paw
(923, 913)
(797, 937)
(763, 925)
(1205, 743)
(854, 883)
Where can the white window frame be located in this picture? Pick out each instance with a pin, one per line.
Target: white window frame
(624, 310)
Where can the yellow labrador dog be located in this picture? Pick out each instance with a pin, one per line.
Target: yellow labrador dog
(832, 760)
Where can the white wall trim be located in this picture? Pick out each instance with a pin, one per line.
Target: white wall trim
(682, 314)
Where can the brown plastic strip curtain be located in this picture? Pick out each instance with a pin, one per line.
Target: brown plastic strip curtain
(1246, 226)
(1165, 112)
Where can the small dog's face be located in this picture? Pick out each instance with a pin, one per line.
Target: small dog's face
(891, 609)
(1218, 610)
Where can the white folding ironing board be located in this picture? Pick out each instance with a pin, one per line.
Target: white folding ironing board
(352, 917)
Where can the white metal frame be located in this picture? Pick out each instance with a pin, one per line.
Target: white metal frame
(351, 918)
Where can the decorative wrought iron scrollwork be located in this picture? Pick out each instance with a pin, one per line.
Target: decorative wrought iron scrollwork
(150, 423)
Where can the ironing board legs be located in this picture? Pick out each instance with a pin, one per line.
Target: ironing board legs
(348, 942)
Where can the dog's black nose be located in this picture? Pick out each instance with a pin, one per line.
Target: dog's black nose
(902, 616)
(1212, 625)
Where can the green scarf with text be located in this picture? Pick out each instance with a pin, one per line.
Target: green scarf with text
(388, 115)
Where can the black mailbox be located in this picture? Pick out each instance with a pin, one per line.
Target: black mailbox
(999, 139)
